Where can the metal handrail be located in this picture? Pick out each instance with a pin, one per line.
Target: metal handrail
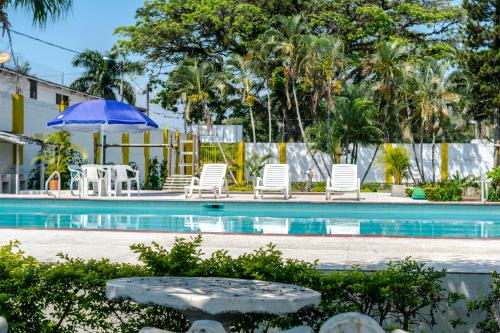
(55, 173)
(484, 188)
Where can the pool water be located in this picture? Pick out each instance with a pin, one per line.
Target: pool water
(256, 217)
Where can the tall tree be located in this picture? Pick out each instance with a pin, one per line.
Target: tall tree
(103, 75)
(195, 85)
(433, 96)
(481, 58)
(241, 68)
(42, 11)
(386, 67)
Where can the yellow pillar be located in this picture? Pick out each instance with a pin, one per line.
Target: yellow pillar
(388, 176)
(146, 156)
(177, 143)
(240, 174)
(125, 150)
(62, 106)
(282, 151)
(444, 161)
(165, 142)
(18, 123)
(97, 149)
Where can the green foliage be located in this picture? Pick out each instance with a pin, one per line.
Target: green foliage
(494, 191)
(489, 305)
(103, 75)
(396, 162)
(480, 33)
(255, 163)
(157, 172)
(58, 153)
(444, 191)
(69, 296)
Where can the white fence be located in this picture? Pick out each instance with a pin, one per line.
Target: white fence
(465, 158)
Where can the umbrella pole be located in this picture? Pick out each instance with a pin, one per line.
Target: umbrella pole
(103, 156)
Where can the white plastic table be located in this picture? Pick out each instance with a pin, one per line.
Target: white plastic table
(217, 299)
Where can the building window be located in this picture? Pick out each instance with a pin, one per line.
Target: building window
(64, 98)
(33, 89)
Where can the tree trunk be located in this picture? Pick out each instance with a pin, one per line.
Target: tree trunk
(433, 159)
(302, 132)
(252, 121)
(422, 152)
(416, 161)
(269, 115)
(370, 165)
(496, 135)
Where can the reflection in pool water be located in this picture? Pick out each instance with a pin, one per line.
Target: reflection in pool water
(256, 225)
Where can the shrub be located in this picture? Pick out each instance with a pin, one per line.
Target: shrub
(490, 305)
(494, 192)
(396, 162)
(69, 295)
(445, 191)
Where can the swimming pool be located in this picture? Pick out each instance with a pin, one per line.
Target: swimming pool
(423, 220)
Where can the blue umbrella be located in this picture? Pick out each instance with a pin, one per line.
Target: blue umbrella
(104, 116)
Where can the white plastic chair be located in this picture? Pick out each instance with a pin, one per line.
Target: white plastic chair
(344, 179)
(121, 176)
(76, 176)
(212, 178)
(95, 174)
(276, 177)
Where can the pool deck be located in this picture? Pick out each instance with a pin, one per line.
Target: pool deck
(332, 252)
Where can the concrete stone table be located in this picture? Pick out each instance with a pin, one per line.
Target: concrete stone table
(217, 299)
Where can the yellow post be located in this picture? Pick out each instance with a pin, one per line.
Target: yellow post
(165, 142)
(240, 174)
(388, 176)
(97, 149)
(18, 124)
(444, 161)
(125, 150)
(282, 150)
(62, 106)
(177, 157)
(146, 156)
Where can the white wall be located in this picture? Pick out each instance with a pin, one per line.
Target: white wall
(465, 158)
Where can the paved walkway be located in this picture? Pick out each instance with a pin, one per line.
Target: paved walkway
(461, 255)
(369, 197)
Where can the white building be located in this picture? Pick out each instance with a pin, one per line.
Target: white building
(42, 101)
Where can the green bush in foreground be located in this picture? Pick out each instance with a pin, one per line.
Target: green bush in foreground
(69, 295)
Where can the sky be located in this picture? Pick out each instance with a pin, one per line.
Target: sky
(89, 25)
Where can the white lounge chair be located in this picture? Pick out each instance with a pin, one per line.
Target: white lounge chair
(344, 179)
(95, 174)
(212, 178)
(121, 176)
(276, 177)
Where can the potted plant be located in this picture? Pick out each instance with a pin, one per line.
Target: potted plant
(396, 162)
(57, 154)
(255, 164)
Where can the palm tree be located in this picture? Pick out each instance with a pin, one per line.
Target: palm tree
(241, 68)
(193, 84)
(263, 65)
(323, 62)
(434, 94)
(386, 67)
(287, 41)
(42, 11)
(103, 75)
(289, 44)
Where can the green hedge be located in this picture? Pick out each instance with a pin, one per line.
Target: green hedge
(69, 295)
